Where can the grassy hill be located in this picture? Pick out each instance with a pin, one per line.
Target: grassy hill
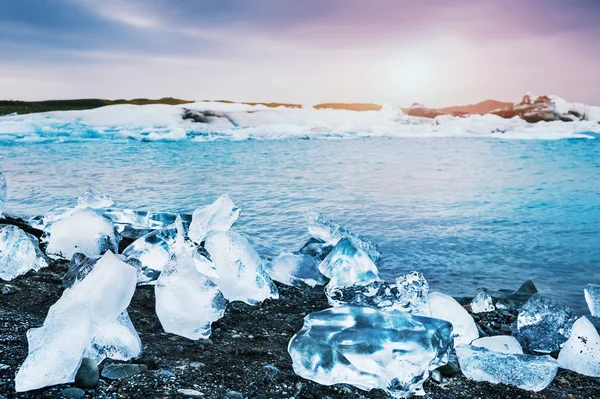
(28, 107)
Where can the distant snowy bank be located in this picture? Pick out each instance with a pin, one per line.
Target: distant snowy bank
(207, 121)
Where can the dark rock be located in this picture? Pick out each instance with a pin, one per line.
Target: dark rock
(525, 291)
(87, 376)
(117, 371)
(73, 393)
(8, 289)
(452, 368)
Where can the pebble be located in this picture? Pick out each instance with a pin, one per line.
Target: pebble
(87, 376)
(234, 395)
(117, 371)
(197, 365)
(8, 289)
(190, 392)
(73, 393)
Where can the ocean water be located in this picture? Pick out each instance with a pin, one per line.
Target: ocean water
(467, 212)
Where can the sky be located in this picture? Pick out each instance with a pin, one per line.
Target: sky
(436, 52)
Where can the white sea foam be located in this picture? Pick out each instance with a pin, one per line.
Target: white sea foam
(225, 121)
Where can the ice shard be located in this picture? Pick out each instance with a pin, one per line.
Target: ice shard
(241, 272)
(544, 326)
(348, 265)
(499, 343)
(187, 301)
(445, 307)
(331, 233)
(581, 352)
(296, 270)
(94, 199)
(532, 373)
(154, 250)
(19, 253)
(592, 297)
(408, 293)
(84, 231)
(58, 346)
(369, 348)
(219, 216)
(482, 303)
(2, 191)
(115, 339)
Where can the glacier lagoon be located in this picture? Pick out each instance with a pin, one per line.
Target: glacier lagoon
(466, 212)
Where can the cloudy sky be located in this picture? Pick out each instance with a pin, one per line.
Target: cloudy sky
(438, 52)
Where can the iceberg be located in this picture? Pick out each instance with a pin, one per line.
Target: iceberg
(241, 272)
(445, 307)
(532, 373)
(19, 253)
(2, 191)
(94, 199)
(154, 250)
(499, 343)
(348, 265)
(83, 312)
(331, 233)
(409, 293)
(592, 297)
(482, 303)
(187, 302)
(581, 352)
(219, 216)
(84, 231)
(544, 326)
(296, 270)
(368, 348)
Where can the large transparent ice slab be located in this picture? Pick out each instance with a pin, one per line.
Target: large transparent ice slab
(445, 307)
(187, 301)
(581, 352)
(153, 250)
(296, 270)
(19, 253)
(369, 348)
(82, 312)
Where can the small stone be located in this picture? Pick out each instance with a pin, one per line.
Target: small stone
(197, 365)
(234, 395)
(190, 392)
(8, 289)
(117, 371)
(87, 376)
(436, 376)
(73, 393)
(272, 368)
(165, 373)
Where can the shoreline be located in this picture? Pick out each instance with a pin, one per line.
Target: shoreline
(246, 353)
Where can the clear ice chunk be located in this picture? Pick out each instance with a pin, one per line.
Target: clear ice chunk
(218, 216)
(499, 343)
(482, 303)
(79, 267)
(544, 326)
(187, 302)
(44, 221)
(19, 253)
(2, 191)
(331, 233)
(407, 294)
(581, 352)
(241, 272)
(592, 297)
(116, 339)
(529, 372)
(84, 231)
(57, 348)
(445, 307)
(154, 250)
(94, 199)
(136, 223)
(348, 265)
(296, 270)
(369, 348)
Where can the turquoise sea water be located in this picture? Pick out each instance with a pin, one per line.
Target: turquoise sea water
(466, 212)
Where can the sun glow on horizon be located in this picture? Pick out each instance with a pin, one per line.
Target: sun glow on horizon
(410, 76)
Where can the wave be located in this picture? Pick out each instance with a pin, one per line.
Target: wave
(210, 121)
